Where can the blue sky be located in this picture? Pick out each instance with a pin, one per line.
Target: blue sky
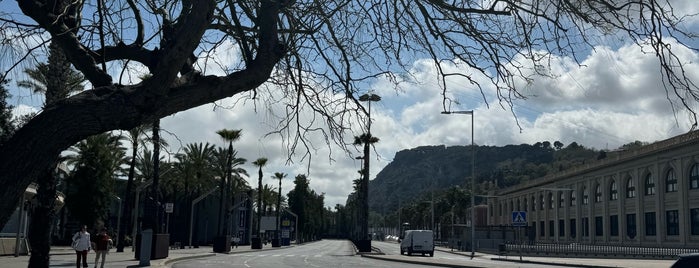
(614, 97)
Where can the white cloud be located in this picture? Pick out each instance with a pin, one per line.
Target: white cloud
(22, 109)
(614, 97)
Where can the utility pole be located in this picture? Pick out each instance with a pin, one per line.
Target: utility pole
(364, 228)
(473, 180)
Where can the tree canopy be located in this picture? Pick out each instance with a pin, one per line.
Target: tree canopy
(306, 55)
(6, 122)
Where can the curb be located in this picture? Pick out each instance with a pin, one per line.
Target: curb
(555, 263)
(434, 264)
(535, 262)
(167, 262)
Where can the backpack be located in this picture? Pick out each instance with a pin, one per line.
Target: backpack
(76, 239)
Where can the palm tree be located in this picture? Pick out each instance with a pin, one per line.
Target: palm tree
(230, 136)
(260, 162)
(97, 163)
(280, 176)
(367, 140)
(239, 184)
(144, 166)
(235, 183)
(198, 159)
(55, 79)
(156, 174)
(135, 138)
(269, 197)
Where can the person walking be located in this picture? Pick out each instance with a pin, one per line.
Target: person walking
(102, 243)
(81, 245)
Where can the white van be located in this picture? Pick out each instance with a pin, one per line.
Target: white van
(417, 241)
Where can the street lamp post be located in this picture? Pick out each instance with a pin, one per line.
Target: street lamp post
(473, 180)
(365, 180)
(191, 217)
(135, 209)
(434, 231)
(118, 230)
(452, 228)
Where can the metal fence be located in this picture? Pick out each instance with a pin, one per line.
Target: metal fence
(587, 250)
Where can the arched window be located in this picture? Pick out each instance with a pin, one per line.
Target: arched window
(598, 193)
(561, 200)
(694, 177)
(572, 198)
(671, 181)
(526, 206)
(585, 196)
(551, 202)
(650, 184)
(541, 201)
(630, 188)
(613, 193)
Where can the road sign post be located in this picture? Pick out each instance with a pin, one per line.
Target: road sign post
(169, 208)
(519, 218)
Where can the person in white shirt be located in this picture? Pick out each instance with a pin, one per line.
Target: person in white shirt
(81, 244)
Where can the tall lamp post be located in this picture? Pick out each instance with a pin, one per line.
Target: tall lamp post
(118, 230)
(365, 180)
(136, 205)
(473, 180)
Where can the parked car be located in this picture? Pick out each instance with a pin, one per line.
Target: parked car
(417, 241)
(690, 260)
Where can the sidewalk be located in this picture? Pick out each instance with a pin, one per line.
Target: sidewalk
(65, 257)
(572, 262)
(480, 257)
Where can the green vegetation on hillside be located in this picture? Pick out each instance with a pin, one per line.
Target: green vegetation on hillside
(408, 179)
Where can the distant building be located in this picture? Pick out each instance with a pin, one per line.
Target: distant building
(648, 196)
(14, 232)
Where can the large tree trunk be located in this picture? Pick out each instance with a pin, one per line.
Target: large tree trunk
(110, 107)
(43, 217)
(156, 177)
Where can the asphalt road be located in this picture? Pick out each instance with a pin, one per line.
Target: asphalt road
(393, 249)
(325, 253)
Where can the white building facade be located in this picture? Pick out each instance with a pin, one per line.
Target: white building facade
(646, 197)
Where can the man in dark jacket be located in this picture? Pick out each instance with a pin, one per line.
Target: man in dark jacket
(102, 243)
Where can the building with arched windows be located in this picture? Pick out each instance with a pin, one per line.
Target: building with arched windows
(647, 196)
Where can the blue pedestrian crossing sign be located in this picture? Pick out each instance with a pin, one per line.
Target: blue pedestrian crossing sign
(519, 218)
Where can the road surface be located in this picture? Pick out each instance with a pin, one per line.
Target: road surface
(329, 253)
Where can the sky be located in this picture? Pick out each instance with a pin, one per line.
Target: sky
(615, 96)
